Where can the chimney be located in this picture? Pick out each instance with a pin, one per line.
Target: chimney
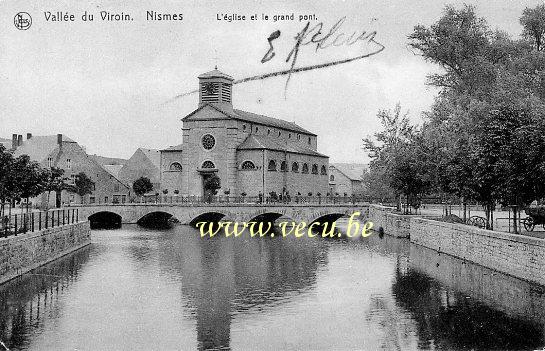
(14, 142)
(19, 140)
(59, 139)
(28, 136)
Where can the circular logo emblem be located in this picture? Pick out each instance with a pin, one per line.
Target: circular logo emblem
(22, 21)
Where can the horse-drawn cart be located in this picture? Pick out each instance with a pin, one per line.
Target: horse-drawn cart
(536, 216)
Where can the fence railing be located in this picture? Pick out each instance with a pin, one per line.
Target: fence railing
(225, 199)
(35, 221)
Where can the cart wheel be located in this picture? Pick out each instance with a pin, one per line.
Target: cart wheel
(477, 221)
(528, 224)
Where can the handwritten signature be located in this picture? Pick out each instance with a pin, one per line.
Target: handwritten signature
(320, 39)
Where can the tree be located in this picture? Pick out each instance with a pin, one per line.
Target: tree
(29, 178)
(460, 42)
(142, 186)
(6, 165)
(83, 185)
(488, 114)
(533, 22)
(211, 186)
(53, 181)
(395, 156)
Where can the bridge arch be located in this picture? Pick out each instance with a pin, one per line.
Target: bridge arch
(210, 216)
(105, 220)
(157, 219)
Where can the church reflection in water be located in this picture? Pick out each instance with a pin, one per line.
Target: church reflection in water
(225, 277)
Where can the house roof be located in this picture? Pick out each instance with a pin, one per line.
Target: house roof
(353, 171)
(6, 142)
(250, 117)
(113, 169)
(216, 74)
(174, 148)
(40, 146)
(153, 155)
(260, 142)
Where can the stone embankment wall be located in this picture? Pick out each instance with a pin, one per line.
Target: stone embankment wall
(517, 255)
(22, 253)
(392, 223)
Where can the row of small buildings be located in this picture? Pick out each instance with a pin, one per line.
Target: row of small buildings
(251, 154)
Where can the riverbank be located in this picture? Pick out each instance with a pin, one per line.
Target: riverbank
(520, 256)
(22, 253)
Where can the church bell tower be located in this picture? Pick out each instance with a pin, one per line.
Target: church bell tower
(215, 87)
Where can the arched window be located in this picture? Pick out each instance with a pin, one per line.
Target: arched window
(295, 167)
(314, 169)
(284, 166)
(309, 144)
(208, 164)
(246, 165)
(175, 166)
(272, 165)
(323, 171)
(305, 168)
(332, 178)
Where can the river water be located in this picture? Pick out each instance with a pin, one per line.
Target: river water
(142, 289)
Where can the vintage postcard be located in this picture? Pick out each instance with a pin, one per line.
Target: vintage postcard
(272, 175)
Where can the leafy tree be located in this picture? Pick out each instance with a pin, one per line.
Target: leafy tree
(84, 185)
(488, 115)
(142, 186)
(29, 178)
(460, 42)
(533, 21)
(393, 154)
(53, 180)
(211, 186)
(6, 165)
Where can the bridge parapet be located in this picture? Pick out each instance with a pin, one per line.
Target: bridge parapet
(243, 212)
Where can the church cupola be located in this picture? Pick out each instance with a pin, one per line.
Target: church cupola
(215, 87)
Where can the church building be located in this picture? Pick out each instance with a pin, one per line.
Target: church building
(250, 153)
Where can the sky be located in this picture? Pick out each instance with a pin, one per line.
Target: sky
(112, 85)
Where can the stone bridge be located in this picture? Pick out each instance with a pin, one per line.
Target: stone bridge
(192, 213)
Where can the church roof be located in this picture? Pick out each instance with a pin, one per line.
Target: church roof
(174, 148)
(260, 142)
(250, 117)
(216, 74)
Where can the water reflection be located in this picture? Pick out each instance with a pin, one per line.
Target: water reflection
(458, 305)
(29, 302)
(141, 289)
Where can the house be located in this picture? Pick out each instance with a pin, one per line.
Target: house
(346, 178)
(64, 153)
(143, 163)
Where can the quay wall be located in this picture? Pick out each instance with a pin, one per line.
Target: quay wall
(24, 252)
(393, 224)
(517, 255)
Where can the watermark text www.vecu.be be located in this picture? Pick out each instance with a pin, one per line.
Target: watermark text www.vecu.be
(354, 229)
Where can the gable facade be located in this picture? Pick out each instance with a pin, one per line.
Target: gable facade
(245, 150)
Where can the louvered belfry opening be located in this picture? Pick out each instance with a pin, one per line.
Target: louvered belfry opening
(215, 87)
